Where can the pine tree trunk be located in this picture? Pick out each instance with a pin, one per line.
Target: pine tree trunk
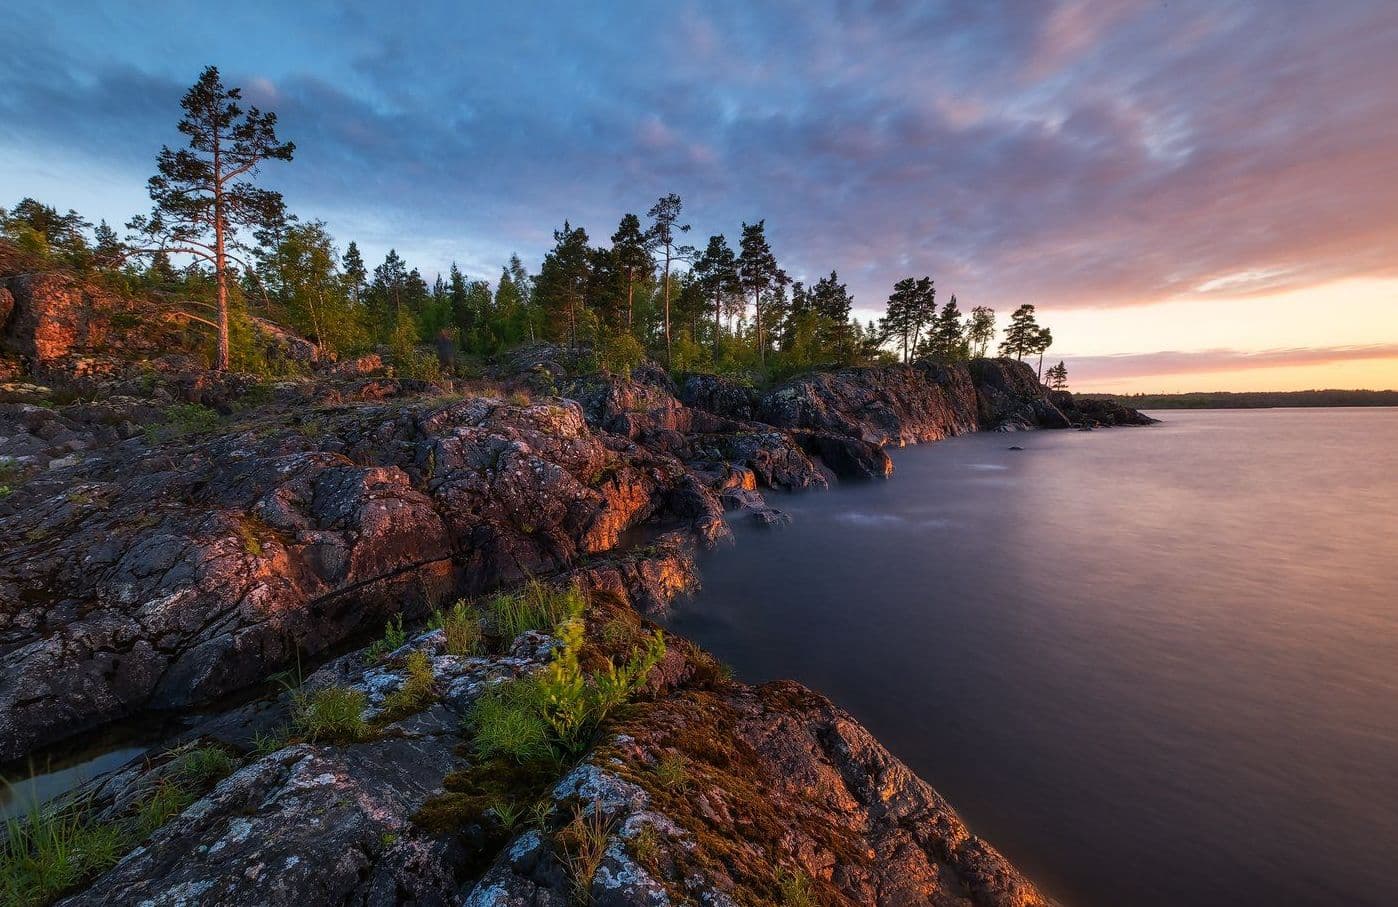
(220, 263)
(630, 290)
(761, 347)
(718, 326)
(667, 306)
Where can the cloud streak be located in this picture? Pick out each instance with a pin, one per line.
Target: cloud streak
(1069, 154)
(1096, 369)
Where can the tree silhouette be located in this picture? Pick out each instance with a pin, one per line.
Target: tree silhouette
(758, 271)
(717, 272)
(1022, 334)
(204, 194)
(665, 215)
(631, 257)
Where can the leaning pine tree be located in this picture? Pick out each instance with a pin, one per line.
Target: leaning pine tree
(204, 194)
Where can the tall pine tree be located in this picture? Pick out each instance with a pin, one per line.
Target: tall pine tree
(204, 194)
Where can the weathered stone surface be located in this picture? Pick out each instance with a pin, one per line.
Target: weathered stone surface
(912, 404)
(319, 823)
(720, 396)
(776, 781)
(169, 576)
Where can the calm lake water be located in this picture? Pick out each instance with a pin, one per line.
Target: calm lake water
(1154, 666)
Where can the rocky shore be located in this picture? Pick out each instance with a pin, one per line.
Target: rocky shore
(174, 538)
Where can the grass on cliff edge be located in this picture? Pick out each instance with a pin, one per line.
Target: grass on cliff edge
(535, 607)
(50, 851)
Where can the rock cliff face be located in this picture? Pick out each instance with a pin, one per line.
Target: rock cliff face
(160, 558)
(777, 786)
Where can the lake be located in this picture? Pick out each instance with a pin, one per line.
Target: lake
(1154, 666)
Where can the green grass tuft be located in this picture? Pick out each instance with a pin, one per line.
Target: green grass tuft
(672, 771)
(202, 766)
(796, 889)
(535, 607)
(583, 842)
(508, 721)
(416, 692)
(165, 802)
(462, 628)
(331, 713)
(46, 853)
(393, 639)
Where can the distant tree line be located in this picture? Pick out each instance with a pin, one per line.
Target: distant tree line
(223, 249)
(1255, 399)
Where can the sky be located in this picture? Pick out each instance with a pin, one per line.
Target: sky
(1195, 195)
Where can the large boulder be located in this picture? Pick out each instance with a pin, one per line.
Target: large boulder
(889, 405)
(1094, 411)
(1010, 398)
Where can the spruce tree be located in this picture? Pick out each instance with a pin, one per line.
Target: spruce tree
(717, 273)
(352, 264)
(758, 272)
(631, 257)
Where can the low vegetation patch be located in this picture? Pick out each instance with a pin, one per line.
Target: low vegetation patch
(393, 639)
(46, 853)
(462, 628)
(583, 844)
(52, 850)
(183, 419)
(417, 691)
(535, 607)
(331, 713)
(555, 713)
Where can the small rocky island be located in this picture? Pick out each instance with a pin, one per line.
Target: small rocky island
(398, 628)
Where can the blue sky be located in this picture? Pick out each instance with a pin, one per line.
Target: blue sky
(1120, 154)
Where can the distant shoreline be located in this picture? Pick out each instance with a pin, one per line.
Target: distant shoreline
(1253, 399)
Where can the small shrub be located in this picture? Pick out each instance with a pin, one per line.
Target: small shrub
(619, 354)
(796, 889)
(416, 692)
(461, 627)
(672, 771)
(331, 713)
(584, 843)
(393, 639)
(519, 398)
(183, 419)
(535, 607)
(45, 853)
(201, 766)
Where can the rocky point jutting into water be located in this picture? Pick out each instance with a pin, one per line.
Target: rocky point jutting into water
(174, 537)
